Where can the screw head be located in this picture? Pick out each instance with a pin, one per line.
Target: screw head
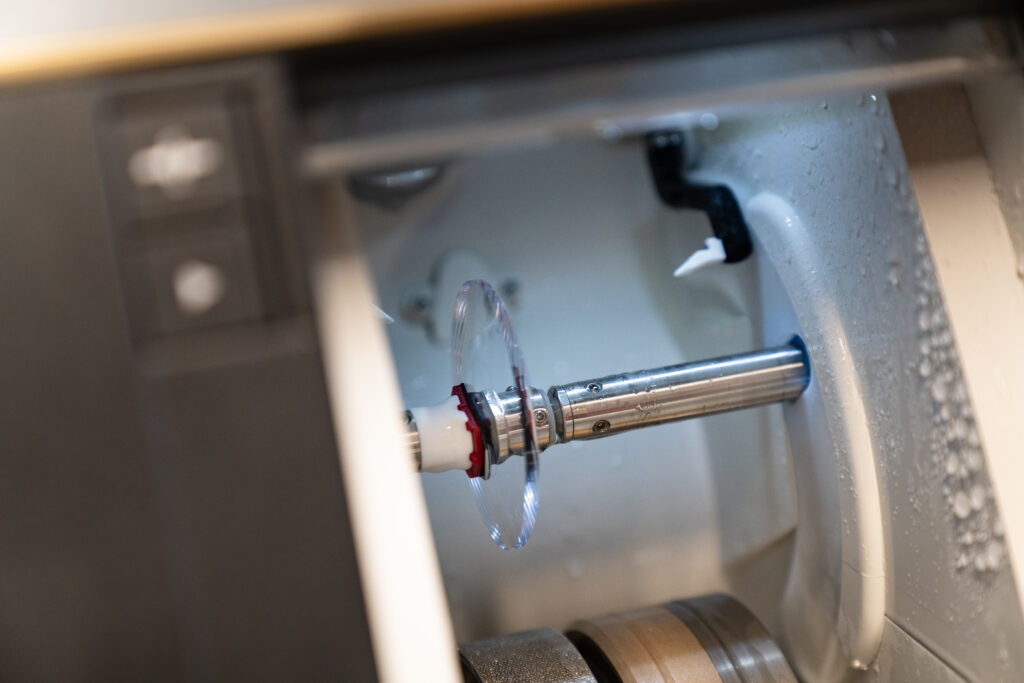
(593, 387)
(416, 309)
(601, 426)
(540, 416)
(509, 291)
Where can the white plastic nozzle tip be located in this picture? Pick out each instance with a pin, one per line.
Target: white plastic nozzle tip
(382, 315)
(713, 252)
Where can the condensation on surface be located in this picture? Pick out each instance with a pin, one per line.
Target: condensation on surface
(956, 450)
(844, 172)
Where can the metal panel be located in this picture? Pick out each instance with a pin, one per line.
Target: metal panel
(171, 509)
(379, 126)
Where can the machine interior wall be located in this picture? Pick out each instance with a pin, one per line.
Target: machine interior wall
(705, 505)
(636, 518)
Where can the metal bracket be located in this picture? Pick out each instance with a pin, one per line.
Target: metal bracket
(665, 156)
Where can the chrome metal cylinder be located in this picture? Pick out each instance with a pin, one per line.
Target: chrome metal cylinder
(595, 408)
(600, 407)
(502, 414)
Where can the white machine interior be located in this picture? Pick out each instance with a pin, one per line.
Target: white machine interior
(594, 295)
(575, 235)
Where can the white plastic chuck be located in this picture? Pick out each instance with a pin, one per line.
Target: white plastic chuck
(445, 443)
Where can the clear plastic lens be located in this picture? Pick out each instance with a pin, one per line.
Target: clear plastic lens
(486, 357)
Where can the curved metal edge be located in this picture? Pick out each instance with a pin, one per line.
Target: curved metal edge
(834, 606)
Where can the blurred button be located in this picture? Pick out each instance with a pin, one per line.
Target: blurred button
(198, 286)
(177, 159)
(206, 280)
(175, 162)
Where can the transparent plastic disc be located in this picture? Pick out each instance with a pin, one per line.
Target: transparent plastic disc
(486, 357)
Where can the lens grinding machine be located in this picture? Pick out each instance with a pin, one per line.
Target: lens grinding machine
(298, 298)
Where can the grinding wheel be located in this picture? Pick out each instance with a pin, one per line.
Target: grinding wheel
(735, 640)
(540, 656)
(710, 639)
(648, 645)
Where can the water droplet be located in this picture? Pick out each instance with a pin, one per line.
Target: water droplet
(610, 132)
(977, 496)
(952, 464)
(961, 505)
(708, 121)
(925, 368)
(939, 392)
(575, 568)
(880, 144)
(994, 554)
(891, 177)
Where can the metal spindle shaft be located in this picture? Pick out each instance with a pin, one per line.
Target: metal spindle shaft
(619, 403)
(596, 408)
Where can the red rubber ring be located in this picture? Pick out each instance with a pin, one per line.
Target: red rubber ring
(476, 458)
